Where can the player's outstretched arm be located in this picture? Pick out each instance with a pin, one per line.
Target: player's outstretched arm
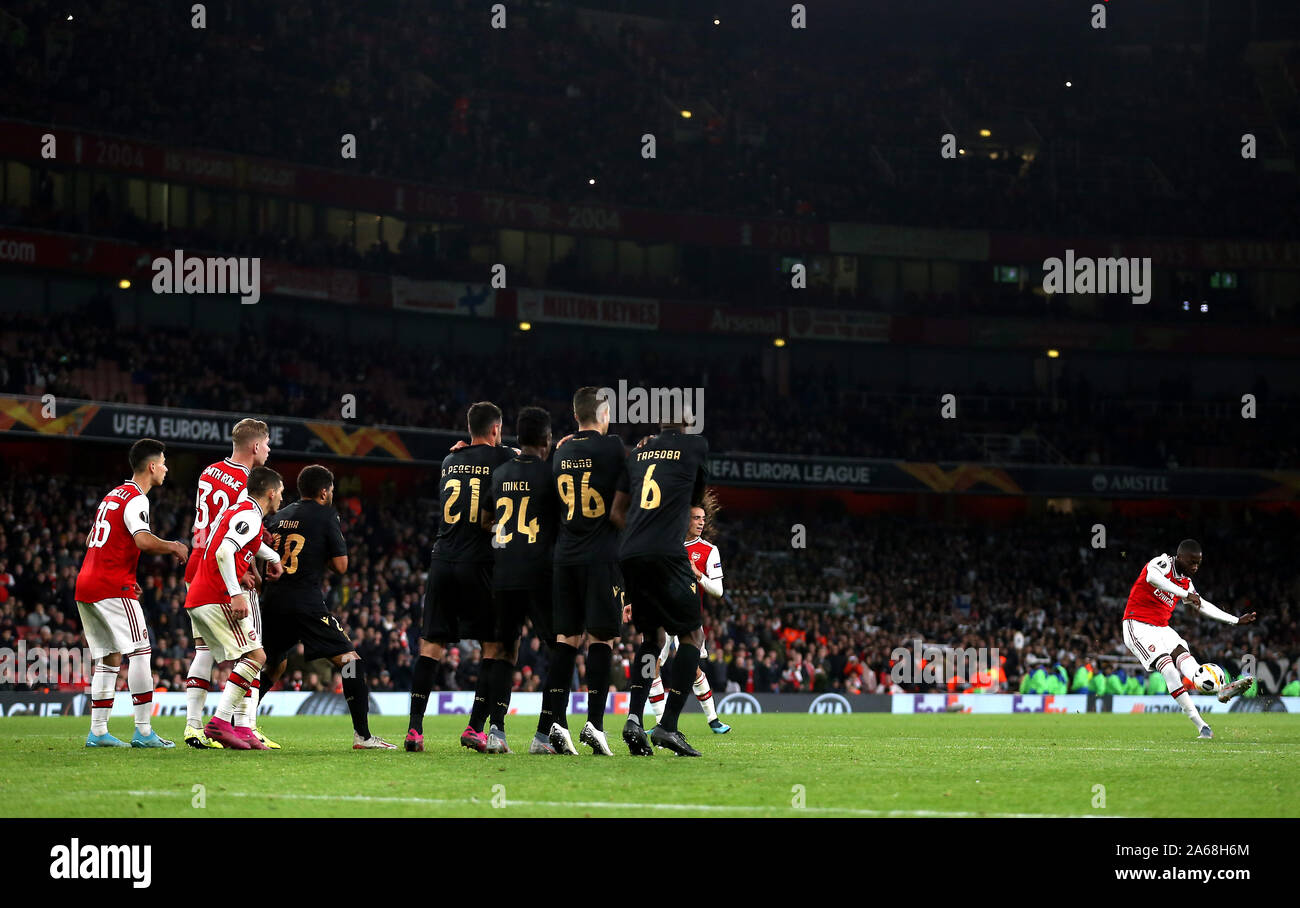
(1156, 568)
(150, 544)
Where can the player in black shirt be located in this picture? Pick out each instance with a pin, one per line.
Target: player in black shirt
(588, 468)
(458, 593)
(666, 475)
(526, 509)
(307, 537)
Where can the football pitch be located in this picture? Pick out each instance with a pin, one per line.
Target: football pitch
(867, 765)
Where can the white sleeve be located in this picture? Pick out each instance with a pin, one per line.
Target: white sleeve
(1156, 569)
(713, 568)
(244, 528)
(225, 556)
(266, 553)
(136, 517)
(1218, 614)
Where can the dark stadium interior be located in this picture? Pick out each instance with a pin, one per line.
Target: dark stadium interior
(819, 154)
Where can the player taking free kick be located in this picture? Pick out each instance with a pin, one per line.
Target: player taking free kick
(1151, 601)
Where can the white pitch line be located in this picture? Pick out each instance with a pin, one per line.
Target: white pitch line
(616, 805)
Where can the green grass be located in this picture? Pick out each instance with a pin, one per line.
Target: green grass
(856, 765)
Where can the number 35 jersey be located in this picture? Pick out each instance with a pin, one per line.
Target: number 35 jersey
(306, 535)
(588, 471)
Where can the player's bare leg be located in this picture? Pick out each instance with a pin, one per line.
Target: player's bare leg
(102, 684)
(197, 684)
(1172, 666)
(422, 678)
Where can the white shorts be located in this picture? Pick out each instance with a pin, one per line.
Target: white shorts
(1149, 643)
(670, 644)
(226, 636)
(113, 626)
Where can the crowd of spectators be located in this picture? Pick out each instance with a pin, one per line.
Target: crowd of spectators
(827, 615)
(1142, 143)
(826, 413)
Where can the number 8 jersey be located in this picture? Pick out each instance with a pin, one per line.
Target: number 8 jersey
(221, 485)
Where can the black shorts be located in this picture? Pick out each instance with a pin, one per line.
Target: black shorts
(588, 597)
(319, 632)
(458, 601)
(511, 607)
(663, 593)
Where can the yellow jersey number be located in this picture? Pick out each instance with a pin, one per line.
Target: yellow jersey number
(530, 528)
(592, 504)
(454, 486)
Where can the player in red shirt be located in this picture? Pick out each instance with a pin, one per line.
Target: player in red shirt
(220, 486)
(220, 609)
(107, 596)
(1157, 589)
(706, 564)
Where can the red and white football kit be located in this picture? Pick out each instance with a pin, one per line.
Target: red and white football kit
(221, 485)
(1151, 600)
(208, 597)
(106, 584)
(704, 556)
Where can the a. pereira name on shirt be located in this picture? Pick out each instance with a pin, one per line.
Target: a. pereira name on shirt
(466, 468)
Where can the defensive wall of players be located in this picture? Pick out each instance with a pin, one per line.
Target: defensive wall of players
(34, 418)
(291, 703)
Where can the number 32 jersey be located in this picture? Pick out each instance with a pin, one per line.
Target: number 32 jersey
(221, 485)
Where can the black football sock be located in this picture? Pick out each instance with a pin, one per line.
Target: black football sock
(482, 701)
(357, 693)
(599, 657)
(638, 687)
(499, 683)
(559, 681)
(426, 669)
(547, 715)
(683, 676)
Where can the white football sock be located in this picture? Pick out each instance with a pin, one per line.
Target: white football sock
(704, 694)
(246, 709)
(197, 686)
(1174, 678)
(657, 698)
(140, 682)
(241, 677)
(102, 683)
